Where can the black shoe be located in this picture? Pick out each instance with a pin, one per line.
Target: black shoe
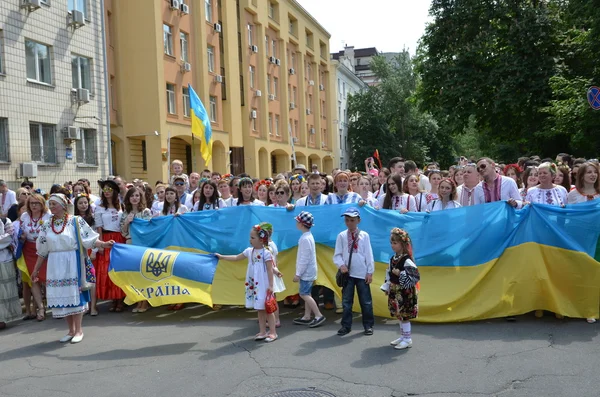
(369, 331)
(301, 321)
(316, 322)
(510, 318)
(344, 331)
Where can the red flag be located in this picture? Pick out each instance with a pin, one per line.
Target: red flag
(376, 155)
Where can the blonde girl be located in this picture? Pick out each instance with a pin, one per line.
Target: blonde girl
(259, 280)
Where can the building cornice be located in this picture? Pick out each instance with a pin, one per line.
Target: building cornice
(303, 11)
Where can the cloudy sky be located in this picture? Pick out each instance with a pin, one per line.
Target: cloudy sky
(389, 25)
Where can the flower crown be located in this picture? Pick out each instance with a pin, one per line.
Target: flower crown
(263, 234)
(82, 195)
(402, 234)
(298, 177)
(245, 180)
(227, 176)
(264, 182)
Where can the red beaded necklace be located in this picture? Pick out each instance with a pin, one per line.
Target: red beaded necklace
(64, 224)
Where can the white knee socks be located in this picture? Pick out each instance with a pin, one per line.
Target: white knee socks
(405, 327)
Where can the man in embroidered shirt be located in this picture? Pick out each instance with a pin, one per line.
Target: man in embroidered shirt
(7, 198)
(466, 191)
(361, 271)
(495, 187)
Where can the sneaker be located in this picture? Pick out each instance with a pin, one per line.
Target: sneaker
(344, 331)
(396, 342)
(316, 322)
(368, 331)
(404, 344)
(339, 310)
(302, 321)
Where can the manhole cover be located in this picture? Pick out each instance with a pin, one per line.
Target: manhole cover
(299, 393)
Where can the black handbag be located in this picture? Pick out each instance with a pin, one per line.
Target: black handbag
(341, 279)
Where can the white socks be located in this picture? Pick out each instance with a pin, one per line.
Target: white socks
(405, 327)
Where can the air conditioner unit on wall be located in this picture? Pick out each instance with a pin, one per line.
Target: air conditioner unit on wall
(308, 111)
(292, 105)
(71, 133)
(31, 5)
(258, 93)
(83, 95)
(272, 59)
(186, 67)
(312, 131)
(278, 62)
(218, 79)
(28, 170)
(311, 82)
(77, 19)
(292, 71)
(185, 9)
(321, 87)
(253, 114)
(271, 97)
(254, 48)
(175, 4)
(217, 27)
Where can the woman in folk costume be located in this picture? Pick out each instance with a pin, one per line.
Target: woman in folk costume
(447, 199)
(10, 306)
(587, 188)
(530, 180)
(395, 198)
(107, 219)
(547, 192)
(59, 243)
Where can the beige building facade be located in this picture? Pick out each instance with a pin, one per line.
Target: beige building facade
(260, 67)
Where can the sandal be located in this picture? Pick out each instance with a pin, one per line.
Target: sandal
(271, 338)
(260, 337)
(42, 316)
(178, 306)
(119, 308)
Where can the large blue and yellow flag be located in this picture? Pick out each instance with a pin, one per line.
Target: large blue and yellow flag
(476, 262)
(201, 125)
(162, 277)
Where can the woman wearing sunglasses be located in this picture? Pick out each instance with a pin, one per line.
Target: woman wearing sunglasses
(13, 211)
(494, 186)
(107, 218)
(282, 195)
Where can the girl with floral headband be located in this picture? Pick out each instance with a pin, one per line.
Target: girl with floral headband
(402, 286)
(295, 182)
(259, 280)
(262, 191)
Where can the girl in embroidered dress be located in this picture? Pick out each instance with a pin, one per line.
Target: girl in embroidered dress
(304, 190)
(514, 171)
(382, 177)
(210, 199)
(31, 224)
(278, 284)
(83, 208)
(342, 193)
(135, 207)
(547, 192)
(411, 187)
(295, 182)
(157, 205)
(530, 180)
(262, 191)
(395, 198)
(225, 191)
(435, 177)
(457, 178)
(107, 218)
(447, 200)
(259, 280)
(587, 188)
(563, 176)
(59, 242)
(172, 204)
(245, 188)
(401, 286)
(195, 202)
(364, 190)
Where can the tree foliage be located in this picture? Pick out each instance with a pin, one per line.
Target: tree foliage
(387, 116)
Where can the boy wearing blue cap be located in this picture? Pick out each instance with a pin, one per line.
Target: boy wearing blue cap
(354, 255)
(306, 271)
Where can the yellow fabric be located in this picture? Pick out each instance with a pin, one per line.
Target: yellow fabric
(24, 271)
(525, 278)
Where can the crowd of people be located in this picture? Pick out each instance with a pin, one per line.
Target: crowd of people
(47, 230)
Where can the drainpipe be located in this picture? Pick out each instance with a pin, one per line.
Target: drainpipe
(106, 93)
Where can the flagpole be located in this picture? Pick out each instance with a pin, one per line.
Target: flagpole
(293, 147)
(169, 156)
(194, 154)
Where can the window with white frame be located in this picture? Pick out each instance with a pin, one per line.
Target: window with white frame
(81, 68)
(308, 71)
(79, 5)
(293, 60)
(4, 144)
(344, 89)
(87, 148)
(1, 52)
(267, 45)
(274, 48)
(171, 107)
(250, 35)
(294, 94)
(271, 10)
(269, 84)
(208, 10)
(296, 128)
(186, 102)
(43, 143)
(252, 75)
(168, 39)
(276, 125)
(213, 109)
(275, 86)
(270, 123)
(183, 42)
(254, 110)
(210, 52)
(38, 62)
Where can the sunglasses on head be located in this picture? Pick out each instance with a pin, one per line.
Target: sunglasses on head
(179, 183)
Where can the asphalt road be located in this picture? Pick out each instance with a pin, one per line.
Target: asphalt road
(198, 352)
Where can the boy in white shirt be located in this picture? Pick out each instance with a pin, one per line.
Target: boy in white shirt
(361, 270)
(306, 271)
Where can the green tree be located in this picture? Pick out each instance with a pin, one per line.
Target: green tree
(387, 117)
(489, 62)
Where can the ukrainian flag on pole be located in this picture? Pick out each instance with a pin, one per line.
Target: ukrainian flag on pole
(201, 125)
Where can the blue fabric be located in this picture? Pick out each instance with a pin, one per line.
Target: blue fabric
(467, 236)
